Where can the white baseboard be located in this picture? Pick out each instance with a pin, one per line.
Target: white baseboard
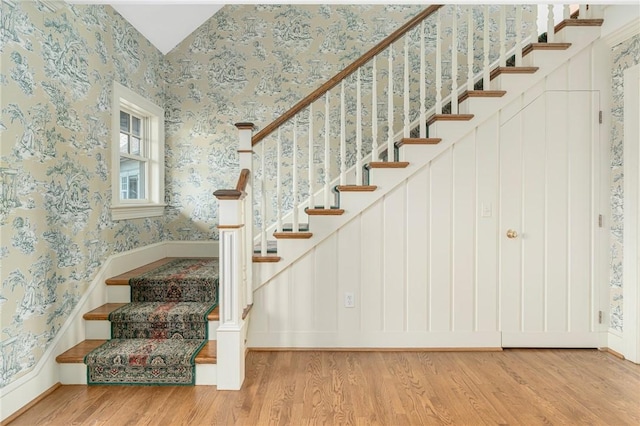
(399, 340)
(46, 372)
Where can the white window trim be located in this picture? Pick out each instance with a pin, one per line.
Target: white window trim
(154, 204)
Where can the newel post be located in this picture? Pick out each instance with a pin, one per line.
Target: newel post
(245, 151)
(235, 233)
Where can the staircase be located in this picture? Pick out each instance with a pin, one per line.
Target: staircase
(323, 197)
(344, 177)
(368, 180)
(98, 330)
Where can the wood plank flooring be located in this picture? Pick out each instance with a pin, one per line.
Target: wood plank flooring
(524, 386)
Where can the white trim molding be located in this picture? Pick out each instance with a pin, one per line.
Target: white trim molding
(631, 237)
(153, 204)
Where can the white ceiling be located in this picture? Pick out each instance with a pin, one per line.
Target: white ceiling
(165, 23)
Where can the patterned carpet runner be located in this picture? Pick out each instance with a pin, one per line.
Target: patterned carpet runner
(156, 337)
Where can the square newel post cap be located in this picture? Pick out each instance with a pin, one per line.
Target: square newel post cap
(245, 126)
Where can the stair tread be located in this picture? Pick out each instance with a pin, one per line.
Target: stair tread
(123, 279)
(101, 313)
(388, 164)
(578, 23)
(544, 46)
(481, 94)
(449, 117)
(324, 212)
(512, 70)
(75, 355)
(418, 141)
(293, 235)
(266, 259)
(356, 188)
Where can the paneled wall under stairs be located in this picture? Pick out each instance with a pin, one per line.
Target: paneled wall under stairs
(423, 263)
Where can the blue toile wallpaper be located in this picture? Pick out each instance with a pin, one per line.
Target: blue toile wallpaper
(58, 65)
(625, 55)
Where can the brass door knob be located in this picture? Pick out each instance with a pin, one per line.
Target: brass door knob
(512, 234)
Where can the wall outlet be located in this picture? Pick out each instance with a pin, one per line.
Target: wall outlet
(349, 300)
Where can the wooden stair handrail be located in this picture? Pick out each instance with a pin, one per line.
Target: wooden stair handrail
(332, 82)
(234, 194)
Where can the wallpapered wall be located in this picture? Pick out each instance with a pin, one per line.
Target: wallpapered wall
(55, 224)
(625, 55)
(253, 62)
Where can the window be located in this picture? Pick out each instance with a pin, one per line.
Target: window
(137, 156)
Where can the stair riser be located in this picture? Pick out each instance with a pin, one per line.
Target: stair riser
(76, 374)
(542, 59)
(97, 330)
(411, 153)
(510, 82)
(475, 105)
(118, 294)
(575, 34)
(444, 129)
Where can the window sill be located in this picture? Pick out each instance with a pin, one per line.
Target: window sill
(136, 211)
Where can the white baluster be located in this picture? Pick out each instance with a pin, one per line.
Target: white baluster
(486, 77)
(423, 84)
(518, 35)
(503, 36)
(343, 138)
(582, 11)
(294, 166)
(327, 152)
(279, 182)
(438, 65)
(374, 111)
(550, 24)
(358, 129)
(534, 24)
(566, 11)
(470, 61)
(311, 166)
(390, 107)
(454, 61)
(263, 203)
(406, 86)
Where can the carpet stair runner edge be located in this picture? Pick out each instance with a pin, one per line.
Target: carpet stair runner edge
(157, 359)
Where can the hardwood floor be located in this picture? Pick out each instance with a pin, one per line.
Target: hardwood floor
(528, 386)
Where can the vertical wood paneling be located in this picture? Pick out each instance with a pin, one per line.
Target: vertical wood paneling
(349, 273)
(276, 296)
(417, 250)
(486, 235)
(440, 250)
(532, 235)
(371, 267)
(510, 218)
(556, 213)
(326, 283)
(394, 260)
(464, 212)
(302, 294)
(580, 226)
(259, 316)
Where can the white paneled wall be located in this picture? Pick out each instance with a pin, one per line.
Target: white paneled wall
(424, 262)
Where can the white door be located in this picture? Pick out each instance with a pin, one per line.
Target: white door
(548, 221)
